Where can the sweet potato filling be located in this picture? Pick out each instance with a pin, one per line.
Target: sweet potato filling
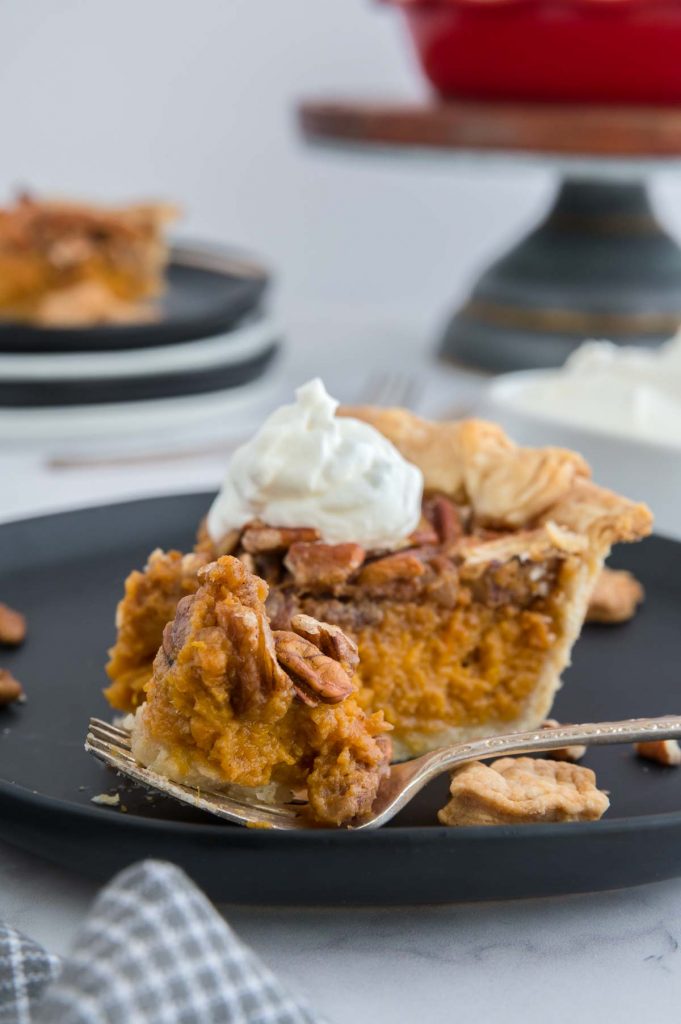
(430, 668)
(232, 702)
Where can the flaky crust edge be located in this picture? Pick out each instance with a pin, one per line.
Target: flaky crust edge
(475, 462)
(546, 496)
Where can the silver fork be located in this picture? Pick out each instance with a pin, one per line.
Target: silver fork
(391, 387)
(112, 746)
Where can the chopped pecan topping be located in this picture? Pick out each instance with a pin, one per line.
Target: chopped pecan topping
(176, 631)
(513, 790)
(615, 597)
(445, 518)
(667, 752)
(10, 688)
(324, 677)
(331, 640)
(281, 605)
(425, 535)
(513, 582)
(572, 753)
(323, 566)
(12, 626)
(443, 588)
(227, 544)
(349, 615)
(247, 560)
(258, 539)
(205, 545)
(396, 575)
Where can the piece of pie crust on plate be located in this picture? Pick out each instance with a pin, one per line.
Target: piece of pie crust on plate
(464, 630)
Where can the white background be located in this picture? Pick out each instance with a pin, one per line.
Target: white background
(194, 100)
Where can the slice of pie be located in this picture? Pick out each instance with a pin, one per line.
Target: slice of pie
(233, 703)
(68, 264)
(466, 624)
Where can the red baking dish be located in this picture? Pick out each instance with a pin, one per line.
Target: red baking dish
(588, 51)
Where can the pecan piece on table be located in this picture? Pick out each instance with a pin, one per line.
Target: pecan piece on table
(258, 539)
(323, 566)
(12, 626)
(445, 518)
(310, 670)
(667, 752)
(331, 640)
(615, 597)
(10, 688)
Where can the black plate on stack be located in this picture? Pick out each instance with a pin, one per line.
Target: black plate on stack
(212, 334)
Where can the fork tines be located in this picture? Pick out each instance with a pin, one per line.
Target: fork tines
(112, 745)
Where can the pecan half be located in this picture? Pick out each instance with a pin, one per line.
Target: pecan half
(10, 688)
(258, 539)
(615, 597)
(323, 566)
(331, 640)
(384, 574)
(425, 535)
(444, 516)
(12, 626)
(310, 669)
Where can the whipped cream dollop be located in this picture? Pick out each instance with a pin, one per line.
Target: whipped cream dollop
(307, 467)
(631, 391)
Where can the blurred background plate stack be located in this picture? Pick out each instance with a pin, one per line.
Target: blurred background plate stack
(191, 371)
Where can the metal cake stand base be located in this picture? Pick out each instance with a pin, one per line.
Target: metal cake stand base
(598, 266)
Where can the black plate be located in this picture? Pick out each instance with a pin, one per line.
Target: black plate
(34, 394)
(66, 571)
(208, 291)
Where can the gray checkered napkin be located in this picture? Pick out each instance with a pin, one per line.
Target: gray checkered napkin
(152, 951)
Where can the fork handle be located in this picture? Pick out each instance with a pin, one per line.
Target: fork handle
(591, 734)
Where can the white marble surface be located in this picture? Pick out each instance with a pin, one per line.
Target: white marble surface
(612, 956)
(602, 957)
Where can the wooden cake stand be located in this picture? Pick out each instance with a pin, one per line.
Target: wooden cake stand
(599, 264)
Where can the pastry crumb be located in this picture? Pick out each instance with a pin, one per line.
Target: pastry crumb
(106, 799)
(517, 790)
(667, 752)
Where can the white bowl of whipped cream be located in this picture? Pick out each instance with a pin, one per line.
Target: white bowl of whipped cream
(618, 406)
